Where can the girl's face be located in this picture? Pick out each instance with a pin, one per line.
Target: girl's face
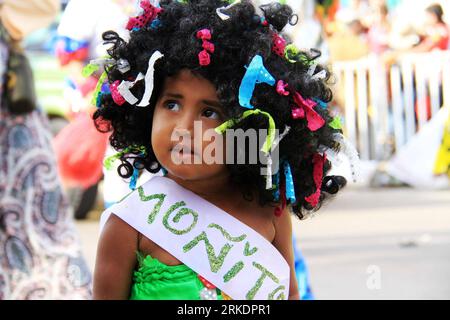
(185, 116)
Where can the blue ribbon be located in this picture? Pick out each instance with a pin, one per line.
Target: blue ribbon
(155, 24)
(290, 191)
(322, 104)
(256, 73)
(276, 193)
(134, 178)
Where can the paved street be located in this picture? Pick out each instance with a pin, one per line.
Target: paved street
(368, 244)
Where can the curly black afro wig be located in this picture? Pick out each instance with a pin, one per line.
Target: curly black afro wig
(237, 40)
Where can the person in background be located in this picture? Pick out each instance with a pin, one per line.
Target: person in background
(79, 44)
(436, 35)
(379, 31)
(40, 255)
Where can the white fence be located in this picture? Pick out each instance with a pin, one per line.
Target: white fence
(385, 108)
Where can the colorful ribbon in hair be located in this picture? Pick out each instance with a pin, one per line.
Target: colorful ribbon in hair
(121, 91)
(204, 56)
(279, 45)
(256, 73)
(108, 162)
(306, 110)
(269, 160)
(98, 88)
(149, 79)
(267, 147)
(289, 183)
(223, 16)
(150, 13)
(318, 163)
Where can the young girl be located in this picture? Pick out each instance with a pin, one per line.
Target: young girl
(212, 229)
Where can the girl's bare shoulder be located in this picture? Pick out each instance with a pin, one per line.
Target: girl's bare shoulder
(119, 234)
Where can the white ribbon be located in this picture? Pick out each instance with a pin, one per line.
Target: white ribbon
(102, 62)
(352, 154)
(224, 16)
(124, 89)
(319, 76)
(276, 142)
(149, 79)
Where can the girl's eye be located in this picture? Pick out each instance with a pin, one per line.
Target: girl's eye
(172, 105)
(211, 114)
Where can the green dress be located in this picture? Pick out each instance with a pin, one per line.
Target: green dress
(154, 280)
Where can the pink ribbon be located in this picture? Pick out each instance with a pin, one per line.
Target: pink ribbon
(150, 13)
(208, 46)
(306, 109)
(204, 57)
(115, 94)
(204, 34)
(279, 45)
(318, 162)
(281, 88)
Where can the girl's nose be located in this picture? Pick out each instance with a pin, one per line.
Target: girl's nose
(185, 122)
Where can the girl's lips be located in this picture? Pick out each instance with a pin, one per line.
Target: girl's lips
(184, 150)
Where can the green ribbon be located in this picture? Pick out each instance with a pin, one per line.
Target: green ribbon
(89, 69)
(336, 123)
(98, 88)
(108, 162)
(272, 129)
(291, 52)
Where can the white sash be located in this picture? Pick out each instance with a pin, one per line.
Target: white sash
(219, 247)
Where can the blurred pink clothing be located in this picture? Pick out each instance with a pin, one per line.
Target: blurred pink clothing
(378, 37)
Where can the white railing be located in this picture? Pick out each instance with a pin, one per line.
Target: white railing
(384, 108)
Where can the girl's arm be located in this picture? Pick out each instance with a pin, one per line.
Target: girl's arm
(283, 242)
(116, 260)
